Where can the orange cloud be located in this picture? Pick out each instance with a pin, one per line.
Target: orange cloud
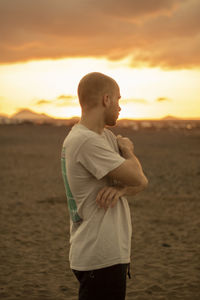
(161, 99)
(62, 100)
(135, 10)
(43, 102)
(66, 97)
(154, 33)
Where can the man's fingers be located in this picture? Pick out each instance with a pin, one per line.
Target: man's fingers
(103, 196)
(114, 200)
(108, 197)
(100, 193)
(124, 142)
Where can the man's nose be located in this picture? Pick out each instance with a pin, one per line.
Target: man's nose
(120, 108)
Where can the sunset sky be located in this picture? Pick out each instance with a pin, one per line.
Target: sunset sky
(150, 47)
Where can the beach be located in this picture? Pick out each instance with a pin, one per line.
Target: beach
(34, 220)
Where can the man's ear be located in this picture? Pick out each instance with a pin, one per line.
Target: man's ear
(106, 100)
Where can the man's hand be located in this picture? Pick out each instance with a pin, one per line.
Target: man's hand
(125, 144)
(108, 196)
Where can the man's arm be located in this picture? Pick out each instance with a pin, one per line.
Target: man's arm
(109, 195)
(129, 175)
(130, 172)
(133, 190)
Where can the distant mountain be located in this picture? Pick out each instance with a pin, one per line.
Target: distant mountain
(3, 116)
(170, 118)
(27, 114)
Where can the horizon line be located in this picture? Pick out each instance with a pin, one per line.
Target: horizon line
(162, 118)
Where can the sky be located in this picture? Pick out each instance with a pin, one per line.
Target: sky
(150, 47)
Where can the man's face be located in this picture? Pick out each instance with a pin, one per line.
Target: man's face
(112, 112)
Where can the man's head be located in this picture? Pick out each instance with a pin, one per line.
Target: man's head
(99, 91)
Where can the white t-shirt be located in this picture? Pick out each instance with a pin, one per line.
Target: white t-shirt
(100, 238)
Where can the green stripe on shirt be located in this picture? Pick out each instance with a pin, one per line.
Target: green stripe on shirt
(72, 207)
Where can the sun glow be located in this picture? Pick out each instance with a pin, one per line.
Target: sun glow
(50, 87)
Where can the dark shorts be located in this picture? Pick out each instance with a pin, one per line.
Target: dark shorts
(105, 284)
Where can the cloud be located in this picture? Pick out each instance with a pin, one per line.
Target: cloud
(66, 97)
(70, 100)
(137, 10)
(162, 99)
(43, 102)
(153, 33)
(62, 100)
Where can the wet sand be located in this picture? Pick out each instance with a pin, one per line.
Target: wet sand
(34, 221)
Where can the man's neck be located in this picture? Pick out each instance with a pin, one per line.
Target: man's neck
(93, 123)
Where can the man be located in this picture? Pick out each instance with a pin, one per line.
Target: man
(99, 169)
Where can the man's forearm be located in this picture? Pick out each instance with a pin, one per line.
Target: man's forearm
(128, 154)
(127, 151)
(108, 196)
(137, 166)
(131, 190)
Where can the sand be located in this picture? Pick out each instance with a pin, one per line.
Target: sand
(34, 221)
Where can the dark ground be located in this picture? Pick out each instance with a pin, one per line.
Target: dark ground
(34, 223)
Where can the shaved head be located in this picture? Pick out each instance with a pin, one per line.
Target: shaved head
(93, 87)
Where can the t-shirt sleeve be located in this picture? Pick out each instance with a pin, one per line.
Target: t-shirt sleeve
(98, 157)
